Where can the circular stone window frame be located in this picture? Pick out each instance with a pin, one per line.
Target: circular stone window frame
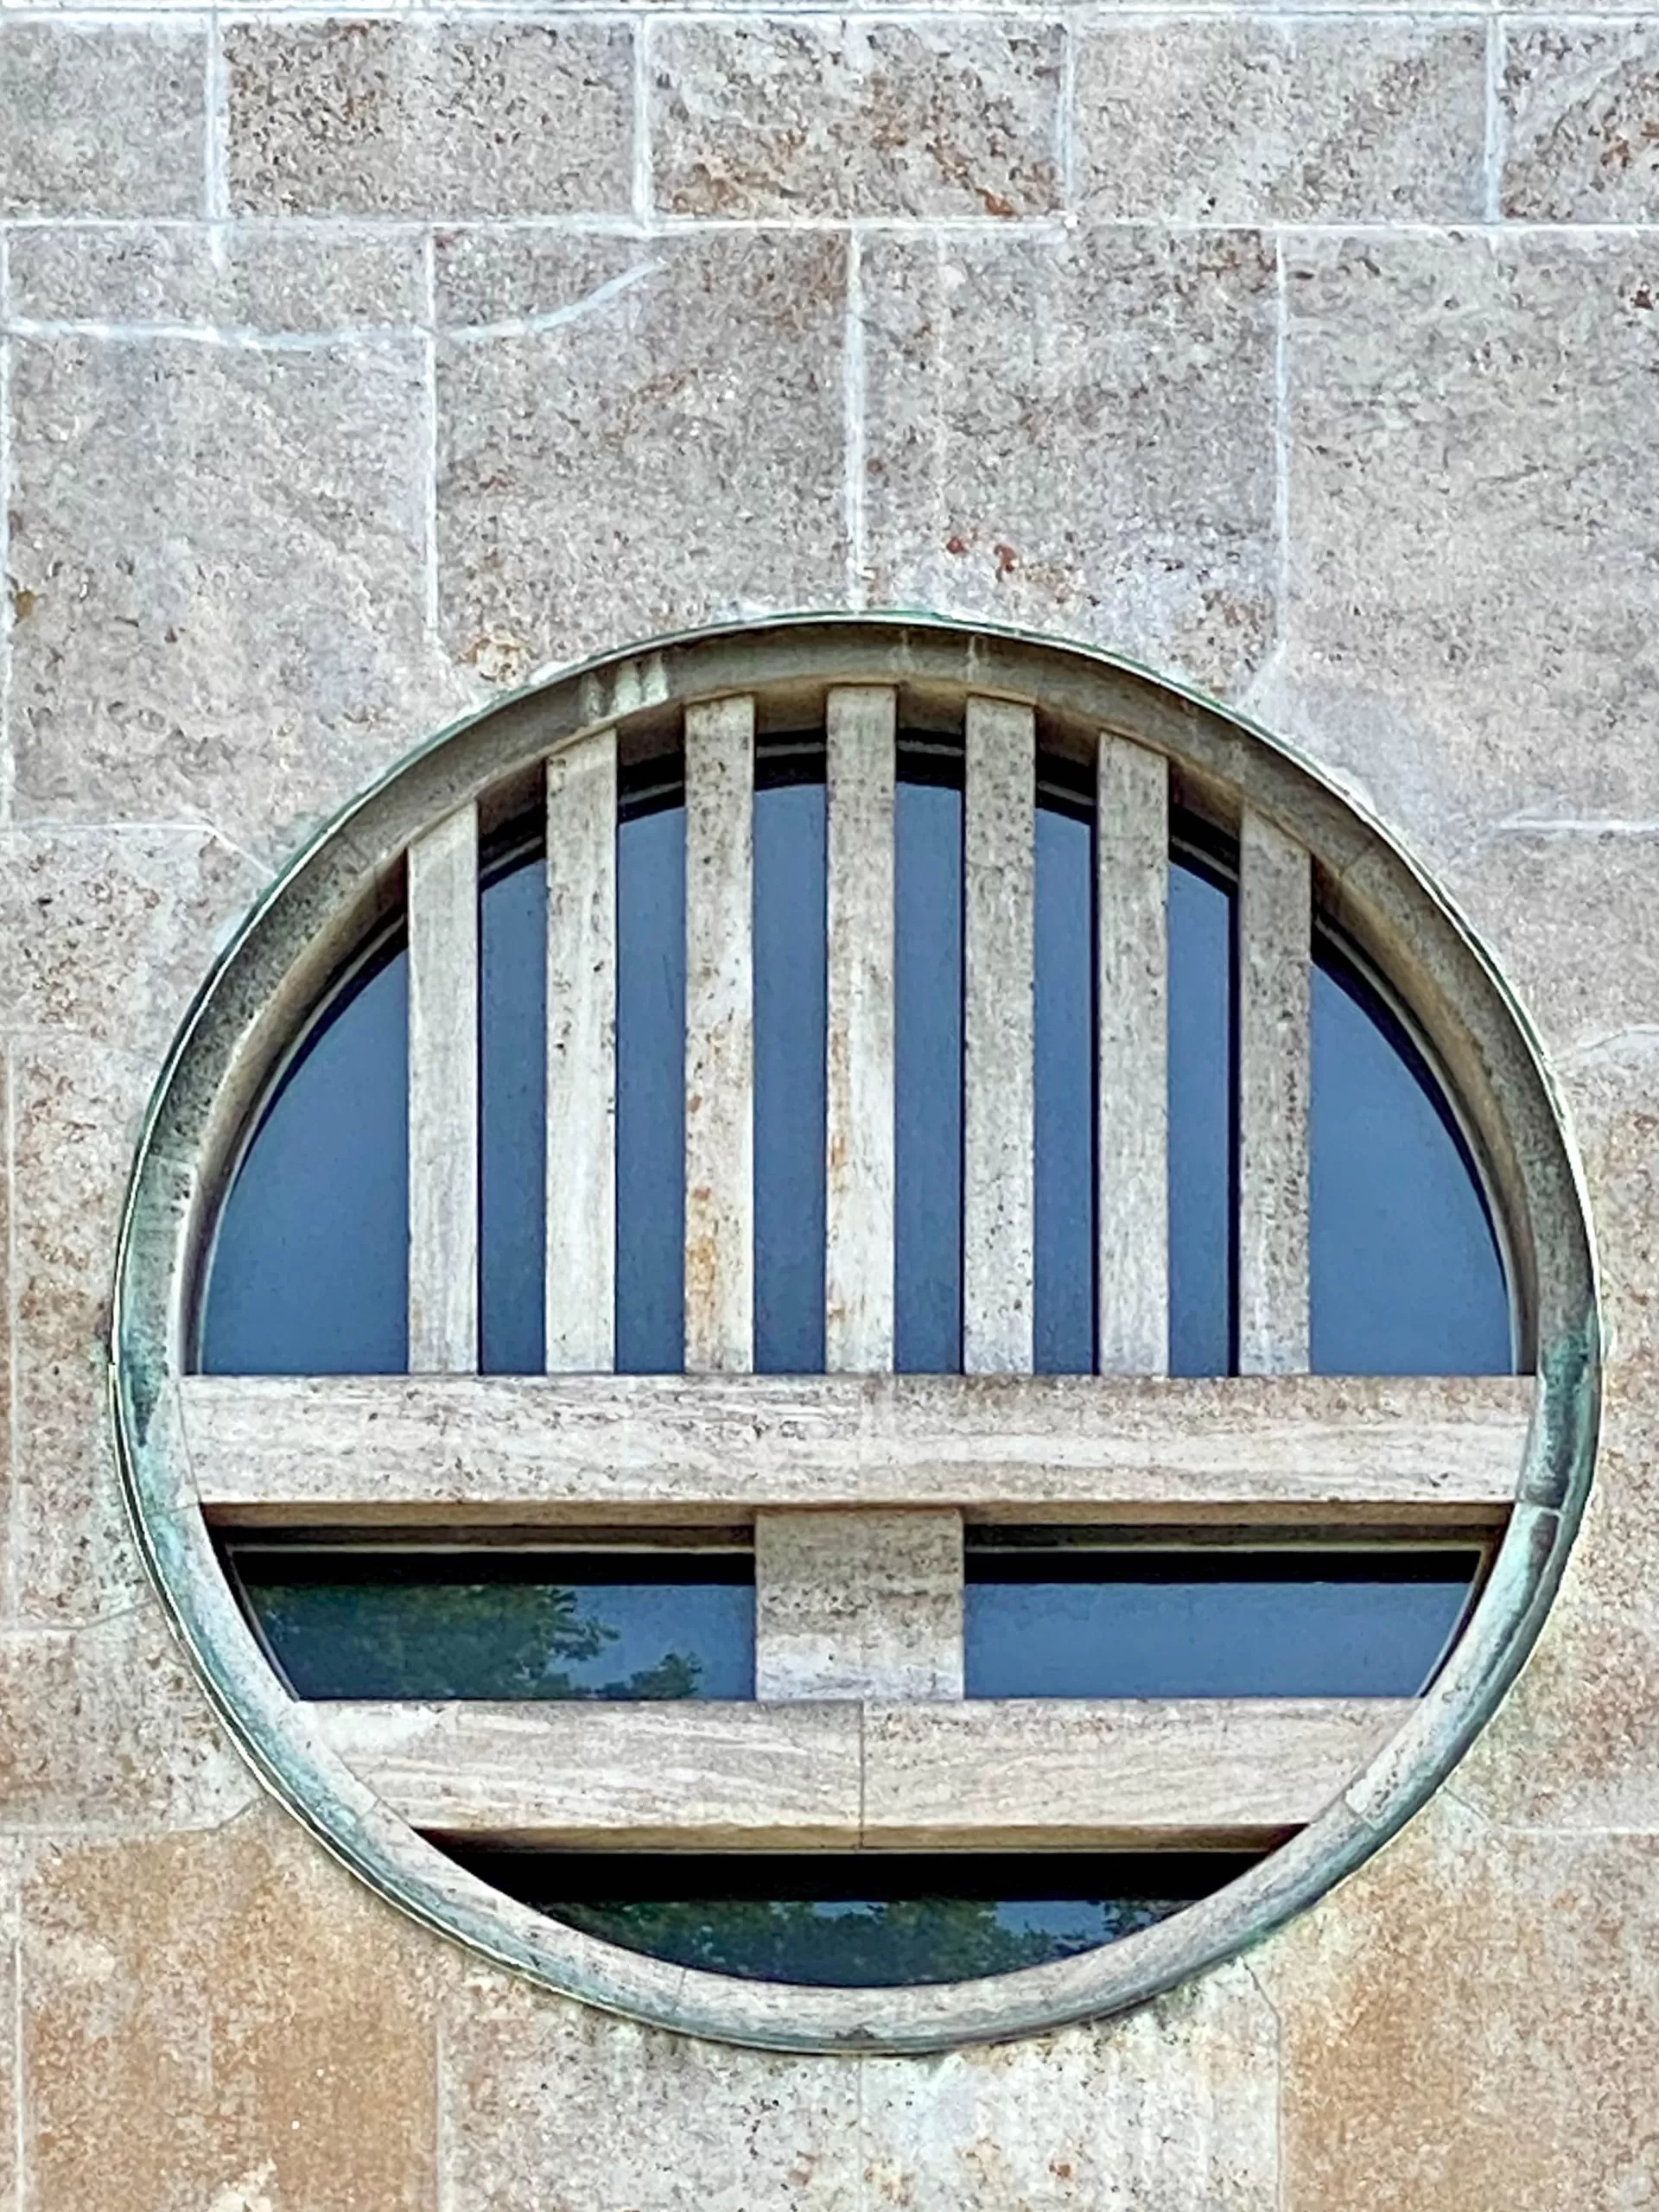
(269, 981)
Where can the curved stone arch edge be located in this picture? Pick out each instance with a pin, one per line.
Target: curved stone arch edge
(287, 1755)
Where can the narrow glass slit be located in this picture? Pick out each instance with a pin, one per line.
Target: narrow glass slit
(353, 1620)
(863, 1920)
(1091, 1620)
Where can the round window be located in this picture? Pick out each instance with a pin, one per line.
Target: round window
(854, 1334)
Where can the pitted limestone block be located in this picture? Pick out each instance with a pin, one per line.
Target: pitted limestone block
(834, 116)
(251, 276)
(1241, 120)
(225, 2020)
(1471, 636)
(108, 932)
(1575, 1745)
(857, 1605)
(1472, 2020)
(454, 118)
(100, 119)
(11, 2182)
(1540, 895)
(218, 562)
(1579, 113)
(1173, 2109)
(667, 450)
(535, 2087)
(75, 1107)
(105, 1731)
(1612, 1089)
(1076, 433)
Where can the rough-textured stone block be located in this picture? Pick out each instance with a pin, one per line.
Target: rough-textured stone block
(105, 1731)
(383, 117)
(252, 275)
(1242, 121)
(1078, 434)
(10, 2180)
(663, 448)
(858, 1605)
(1576, 1744)
(1473, 2020)
(1611, 1088)
(1470, 637)
(840, 117)
(1582, 114)
(75, 1108)
(109, 931)
(219, 567)
(226, 2022)
(1172, 2110)
(97, 120)
(685, 2123)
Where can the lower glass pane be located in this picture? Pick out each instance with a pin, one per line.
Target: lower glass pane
(1051, 1621)
(349, 1623)
(856, 1921)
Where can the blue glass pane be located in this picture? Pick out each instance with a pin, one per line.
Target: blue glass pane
(512, 1112)
(872, 1922)
(789, 1076)
(396, 1626)
(1064, 1316)
(649, 1092)
(1200, 1124)
(309, 1268)
(1405, 1274)
(927, 1049)
(1278, 1626)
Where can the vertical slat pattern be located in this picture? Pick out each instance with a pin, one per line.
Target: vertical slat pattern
(1274, 906)
(858, 1330)
(999, 1122)
(444, 1097)
(580, 1289)
(720, 1037)
(1132, 991)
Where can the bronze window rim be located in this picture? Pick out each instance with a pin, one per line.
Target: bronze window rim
(274, 967)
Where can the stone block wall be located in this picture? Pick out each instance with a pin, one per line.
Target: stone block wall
(354, 365)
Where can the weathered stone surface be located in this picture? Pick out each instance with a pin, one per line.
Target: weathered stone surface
(1576, 1744)
(1537, 892)
(1172, 2110)
(105, 1731)
(666, 449)
(1581, 109)
(839, 116)
(218, 559)
(1471, 633)
(1237, 120)
(1077, 433)
(244, 276)
(75, 1108)
(1613, 1091)
(383, 116)
(1473, 2020)
(100, 120)
(535, 2088)
(226, 2022)
(858, 1605)
(11, 2180)
(108, 932)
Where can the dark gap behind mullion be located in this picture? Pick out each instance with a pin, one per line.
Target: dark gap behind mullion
(790, 985)
(1065, 1073)
(651, 1068)
(512, 1108)
(927, 1074)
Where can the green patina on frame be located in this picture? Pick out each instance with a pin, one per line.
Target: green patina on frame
(277, 966)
